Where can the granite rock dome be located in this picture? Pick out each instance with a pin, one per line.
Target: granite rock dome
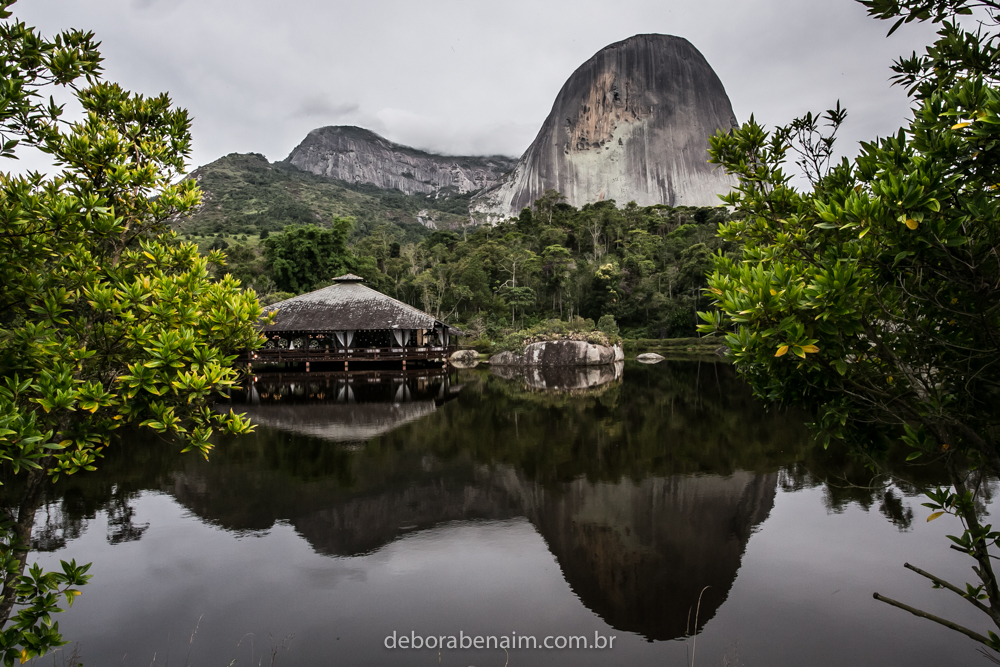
(631, 123)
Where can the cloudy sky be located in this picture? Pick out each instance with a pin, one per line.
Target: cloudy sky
(467, 76)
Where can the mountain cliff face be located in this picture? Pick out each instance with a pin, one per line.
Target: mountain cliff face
(357, 155)
(632, 123)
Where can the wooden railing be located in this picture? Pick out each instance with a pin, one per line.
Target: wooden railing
(427, 353)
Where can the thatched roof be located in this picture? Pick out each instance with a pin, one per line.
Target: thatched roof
(347, 305)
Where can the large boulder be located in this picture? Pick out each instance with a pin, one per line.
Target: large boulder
(464, 359)
(560, 353)
(649, 358)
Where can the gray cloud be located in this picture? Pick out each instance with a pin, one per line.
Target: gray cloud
(468, 77)
(321, 106)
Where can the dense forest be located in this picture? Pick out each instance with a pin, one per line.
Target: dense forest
(286, 232)
(643, 266)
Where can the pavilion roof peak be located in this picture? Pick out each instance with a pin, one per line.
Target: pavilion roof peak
(348, 278)
(345, 306)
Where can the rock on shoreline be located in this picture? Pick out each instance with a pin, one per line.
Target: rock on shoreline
(560, 353)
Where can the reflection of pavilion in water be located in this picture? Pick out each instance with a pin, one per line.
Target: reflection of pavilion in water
(346, 407)
(637, 553)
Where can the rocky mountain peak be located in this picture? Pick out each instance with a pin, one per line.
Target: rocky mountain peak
(631, 123)
(357, 155)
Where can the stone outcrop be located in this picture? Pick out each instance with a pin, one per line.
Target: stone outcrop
(464, 359)
(357, 155)
(560, 353)
(649, 358)
(632, 123)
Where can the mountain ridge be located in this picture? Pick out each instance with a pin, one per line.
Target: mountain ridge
(357, 155)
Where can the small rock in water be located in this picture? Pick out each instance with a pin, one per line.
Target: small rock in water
(649, 358)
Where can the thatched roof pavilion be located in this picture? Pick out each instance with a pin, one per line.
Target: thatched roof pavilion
(352, 322)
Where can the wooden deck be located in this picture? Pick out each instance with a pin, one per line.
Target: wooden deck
(360, 354)
(369, 376)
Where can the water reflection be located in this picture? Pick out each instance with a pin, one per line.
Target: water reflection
(562, 378)
(646, 487)
(340, 407)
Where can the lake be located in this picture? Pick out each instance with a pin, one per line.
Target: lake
(657, 512)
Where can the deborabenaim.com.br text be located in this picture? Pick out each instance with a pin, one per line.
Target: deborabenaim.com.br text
(511, 641)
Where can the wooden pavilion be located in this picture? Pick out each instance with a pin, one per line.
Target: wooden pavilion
(348, 322)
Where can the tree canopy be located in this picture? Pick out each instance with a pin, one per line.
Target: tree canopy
(303, 257)
(874, 296)
(106, 319)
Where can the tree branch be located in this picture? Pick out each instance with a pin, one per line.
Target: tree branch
(931, 617)
(944, 584)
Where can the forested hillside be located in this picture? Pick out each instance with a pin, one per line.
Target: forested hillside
(643, 266)
(244, 194)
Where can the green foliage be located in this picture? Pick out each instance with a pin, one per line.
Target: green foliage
(641, 266)
(300, 258)
(883, 282)
(874, 297)
(607, 325)
(577, 328)
(244, 193)
(105, 318)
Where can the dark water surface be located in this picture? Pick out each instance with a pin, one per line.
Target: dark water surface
(483, 505)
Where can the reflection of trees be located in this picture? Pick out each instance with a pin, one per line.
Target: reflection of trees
(851, 478)
(644, 489)
(62, 510)
(664, 420)
(669, 419)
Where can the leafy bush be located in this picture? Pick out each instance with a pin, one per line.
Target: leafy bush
(607, 325)
(576, 329)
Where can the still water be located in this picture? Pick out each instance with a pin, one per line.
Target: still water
(598, 503)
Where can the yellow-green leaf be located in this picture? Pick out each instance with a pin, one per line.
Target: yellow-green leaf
(959, 126)
(812, 349)
(782, 351)
(934, 516)
(911, 223)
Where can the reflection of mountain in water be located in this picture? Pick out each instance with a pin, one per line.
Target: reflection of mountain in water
(561, 378)
(636, 554)
(645, 491)
(621, 484)
(639, 554)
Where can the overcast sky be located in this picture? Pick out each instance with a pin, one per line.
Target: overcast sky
(466, 76)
